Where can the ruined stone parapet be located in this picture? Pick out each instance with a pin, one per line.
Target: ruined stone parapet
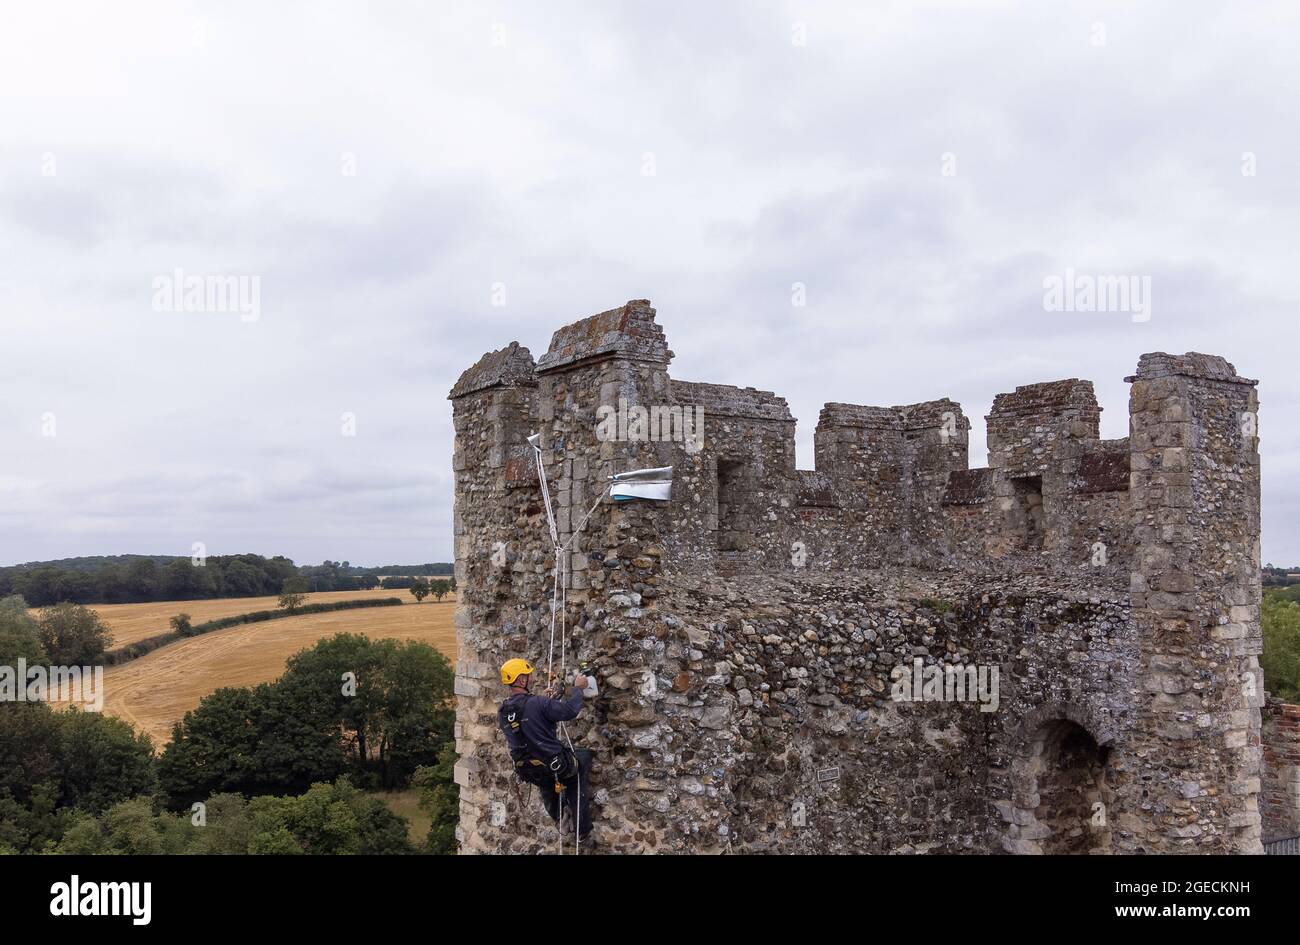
(733, 509)
(628, 332)
(726, 401)
(1029, 429)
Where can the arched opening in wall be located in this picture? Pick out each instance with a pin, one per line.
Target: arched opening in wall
(1062, 793)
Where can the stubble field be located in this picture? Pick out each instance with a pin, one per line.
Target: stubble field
(156, 690)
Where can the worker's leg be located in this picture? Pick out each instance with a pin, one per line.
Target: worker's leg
(577, 791)
(541, 778)
(551, 799)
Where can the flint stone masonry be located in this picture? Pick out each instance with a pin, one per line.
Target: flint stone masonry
(753, 636)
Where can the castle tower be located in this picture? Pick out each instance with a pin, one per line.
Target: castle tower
(493, 411)
(505, 558)
(1194, 457)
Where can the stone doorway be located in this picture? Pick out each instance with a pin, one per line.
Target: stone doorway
(1061, 802)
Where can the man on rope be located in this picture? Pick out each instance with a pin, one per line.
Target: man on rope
(540, 758)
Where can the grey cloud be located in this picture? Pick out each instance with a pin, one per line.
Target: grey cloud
(521, 165)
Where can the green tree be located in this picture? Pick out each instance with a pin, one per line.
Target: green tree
(35, 825)
(239, 579)
(112, 585)
(76, 586)
(102, 760)
(207, 752)
(73, 635)
(142, 580)
(20, 635)
(393, 700)
(227, 828)
(1280, 661)
(328, 819)
(85, 837)
(29, 750)
(440, 796)
(420, 590)
(130, 827)
(181, 624)
(182, 579)
(58, 766)
(265, 740)
(292, 593)
(39, 586)
(439, 589)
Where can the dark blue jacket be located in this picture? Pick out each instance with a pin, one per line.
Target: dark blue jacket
(540, 716)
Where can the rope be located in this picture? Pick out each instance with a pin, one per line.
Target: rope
(559, 611)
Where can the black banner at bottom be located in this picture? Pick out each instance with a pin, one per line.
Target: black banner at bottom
(140, 895)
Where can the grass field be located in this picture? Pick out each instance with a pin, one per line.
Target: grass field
(132, 622)
(156, 690)
(407, 804)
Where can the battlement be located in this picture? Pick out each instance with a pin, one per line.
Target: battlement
(889, 484)
(511, 366)
(629, 332)
(749, 625)
(723, 400)
(1209, 367)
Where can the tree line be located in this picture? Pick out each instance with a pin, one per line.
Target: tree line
(141, 579)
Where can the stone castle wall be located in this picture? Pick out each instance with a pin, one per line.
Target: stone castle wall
(748, 635)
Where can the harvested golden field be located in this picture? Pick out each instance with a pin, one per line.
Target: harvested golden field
(156, 690)
(132, 622)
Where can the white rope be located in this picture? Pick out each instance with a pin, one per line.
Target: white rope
(546, 495)
(559, 611)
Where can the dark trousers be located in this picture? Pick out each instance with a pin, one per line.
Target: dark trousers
(575, 791)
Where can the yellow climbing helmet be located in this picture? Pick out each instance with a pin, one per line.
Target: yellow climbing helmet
(513, 669)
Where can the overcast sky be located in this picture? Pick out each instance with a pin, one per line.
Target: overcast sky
(919, 168)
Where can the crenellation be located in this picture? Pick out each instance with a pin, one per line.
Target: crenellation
(748, 635)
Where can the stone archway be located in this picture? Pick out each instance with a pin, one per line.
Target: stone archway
(1060, 797)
